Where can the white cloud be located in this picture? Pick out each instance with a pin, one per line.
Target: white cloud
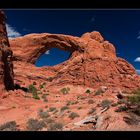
(47, 52)
(138, 72)
(138, 35)
(12, 33)
(137, 59)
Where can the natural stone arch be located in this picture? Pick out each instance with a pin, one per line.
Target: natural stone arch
(30, 47)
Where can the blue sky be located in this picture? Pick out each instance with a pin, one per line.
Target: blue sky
(120, 27)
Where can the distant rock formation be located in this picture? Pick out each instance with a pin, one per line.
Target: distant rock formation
(6, 65)
(93, 61)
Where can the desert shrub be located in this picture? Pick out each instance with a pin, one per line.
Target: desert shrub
(90, 101)
(98, 92)
(35, 125)
(49, 79)
(72, 103)
(68, 103)
(64, 108)
(32, 89)
(8, 126)
(88, 91)
(79, 108)
(34, 83)
(65, 90)
(51, 109)
(39, 92)
(131, 120)
(92, 110)
(135, 99)
(42, 114)
(121, 109)
(55, 126)
(42, 85)
(73, 115)
(35, 96)
(105, 103)
(136, 111)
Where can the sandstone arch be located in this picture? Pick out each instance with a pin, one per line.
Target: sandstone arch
(34, 45)
(93, 61)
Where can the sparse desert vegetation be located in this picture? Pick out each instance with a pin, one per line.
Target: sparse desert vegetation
(105, 103)
(73, 115)
(55, 126)
(65, 90)
(8, 126)
(35, 125)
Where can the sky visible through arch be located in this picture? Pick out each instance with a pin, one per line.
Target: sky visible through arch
(120, 27)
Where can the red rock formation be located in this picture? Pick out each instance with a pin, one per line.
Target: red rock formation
(93, 61)
(93, 66)
(6, 65)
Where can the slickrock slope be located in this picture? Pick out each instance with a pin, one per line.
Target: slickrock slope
(6, 65)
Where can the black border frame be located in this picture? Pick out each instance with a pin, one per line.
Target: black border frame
(71, 4)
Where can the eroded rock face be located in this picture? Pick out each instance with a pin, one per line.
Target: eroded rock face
(6, 65)
(93, 61)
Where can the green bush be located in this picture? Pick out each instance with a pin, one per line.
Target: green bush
(90, 101)
(65, 90)
(79, 108)
(39, 92)
(88, 91)
(32, 89)
(73, 115)
(51, 109)
(137, 111)
(64, 108)
(35, 125)
(135, 99)
(55, 126)
(105, 103)
(8, 126)
(121, 109)
(35, 96)
(42, 85)
(98, 92)
(34, 83)
(49, 79)
(42, 114)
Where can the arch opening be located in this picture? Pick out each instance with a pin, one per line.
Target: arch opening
(52, 57)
